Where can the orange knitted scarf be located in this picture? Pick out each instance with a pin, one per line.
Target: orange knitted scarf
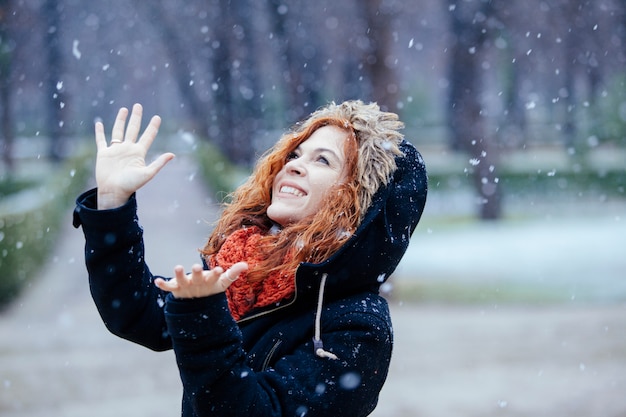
(244, 296)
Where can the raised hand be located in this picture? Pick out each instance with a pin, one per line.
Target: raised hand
(200, 283)
(121, 166)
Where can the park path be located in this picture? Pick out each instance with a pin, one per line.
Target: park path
(56, 356)
(58, 360)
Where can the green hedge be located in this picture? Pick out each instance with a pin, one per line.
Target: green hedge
(610, 182)
(12, 185)
(221, 175)
(30, 221)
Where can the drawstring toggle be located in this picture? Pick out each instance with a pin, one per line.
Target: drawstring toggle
(318, 346)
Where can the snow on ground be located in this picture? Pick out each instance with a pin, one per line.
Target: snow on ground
(578, 252)
(583, 256)
(480, 359)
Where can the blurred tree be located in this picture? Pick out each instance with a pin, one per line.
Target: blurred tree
(510, 52)
(573, 34)
(469, 25)
(221, 61)
(246, 84)
(166, 24)
(56, 98)
(297, 49)
(378, 60)
(586, 29)
(226, 118)
(6, 113)
(512, 130)
(521, 72)
(235, 83)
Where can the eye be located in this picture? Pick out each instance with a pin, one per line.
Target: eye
(291, 156)
(323, 160)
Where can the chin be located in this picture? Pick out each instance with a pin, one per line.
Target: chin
(277, 216)
(282, 218)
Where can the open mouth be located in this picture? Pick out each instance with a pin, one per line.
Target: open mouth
(285, 189)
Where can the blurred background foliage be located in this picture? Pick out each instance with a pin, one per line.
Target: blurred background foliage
(477, 78)
(31, 212)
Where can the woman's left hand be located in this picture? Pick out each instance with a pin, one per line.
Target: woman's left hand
(200, 282)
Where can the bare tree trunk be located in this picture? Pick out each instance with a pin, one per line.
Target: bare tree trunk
(585, 54)
(235, 88)
(465, 117)
(55, 90)
(219, 120)
(380, 70)
(6, 115)
(221, 61)
(513, 129)
(179, 55)
(246, 86)
(566, 16)
(299, 55)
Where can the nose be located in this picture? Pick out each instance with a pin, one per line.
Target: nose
(295, 167)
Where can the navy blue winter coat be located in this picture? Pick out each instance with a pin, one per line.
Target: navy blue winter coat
(265, 364)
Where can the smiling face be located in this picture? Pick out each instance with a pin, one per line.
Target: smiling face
(309, 172)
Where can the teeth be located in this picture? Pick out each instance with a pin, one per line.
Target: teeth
(291, 190)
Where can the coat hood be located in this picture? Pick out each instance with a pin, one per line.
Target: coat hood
(373, 252)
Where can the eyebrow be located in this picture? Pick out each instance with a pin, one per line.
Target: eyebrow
(322, 150)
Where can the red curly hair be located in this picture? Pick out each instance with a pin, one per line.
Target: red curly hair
(313, 239)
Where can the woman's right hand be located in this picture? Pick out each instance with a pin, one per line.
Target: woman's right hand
(200, 282)
(120, 166)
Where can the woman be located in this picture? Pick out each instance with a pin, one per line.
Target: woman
(284, 317)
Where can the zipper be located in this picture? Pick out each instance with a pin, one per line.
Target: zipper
(266, 312)
(268, 358)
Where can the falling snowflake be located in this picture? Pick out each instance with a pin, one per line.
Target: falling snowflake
(75, 50)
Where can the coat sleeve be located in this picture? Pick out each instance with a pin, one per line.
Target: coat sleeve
(218, 379)
(121, 284)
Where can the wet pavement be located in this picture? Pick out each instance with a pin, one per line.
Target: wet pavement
(57, 359)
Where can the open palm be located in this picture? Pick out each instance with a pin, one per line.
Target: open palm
(121, 167)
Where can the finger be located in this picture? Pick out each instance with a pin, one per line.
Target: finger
(168, 286)
(179, 273)
(118, 127)
(151, 131)
(134, 123)
(213, 275)
(196, 274)
(101, 141)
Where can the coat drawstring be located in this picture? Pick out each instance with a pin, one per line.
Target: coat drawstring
(318, 346)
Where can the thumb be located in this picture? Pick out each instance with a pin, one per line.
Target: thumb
(238, 268)
(158, 164)
(231, 275)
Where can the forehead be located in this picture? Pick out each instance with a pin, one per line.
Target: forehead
(327, 137)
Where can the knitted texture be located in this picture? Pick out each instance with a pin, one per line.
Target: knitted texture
(244, 296)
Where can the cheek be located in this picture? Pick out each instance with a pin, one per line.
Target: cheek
(322, 190)
(273, 189)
